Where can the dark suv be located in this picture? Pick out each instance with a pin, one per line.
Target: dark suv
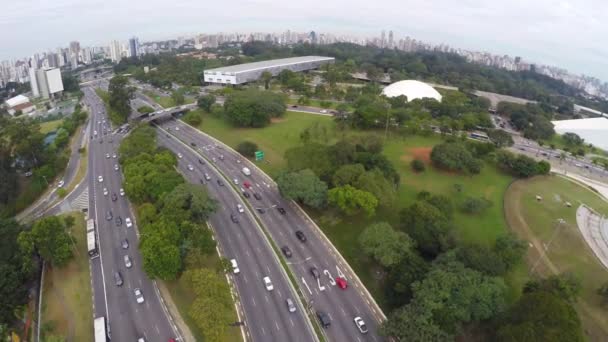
(324, 319)
(286, 251)
(300, 235)
(315, 272)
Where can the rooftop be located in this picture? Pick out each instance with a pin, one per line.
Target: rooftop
(17, 100)
(267, 64)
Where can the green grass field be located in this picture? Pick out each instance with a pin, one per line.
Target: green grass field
(275, 139)
(50, 126)
(66, 306)
(166, 101)
(562, 245)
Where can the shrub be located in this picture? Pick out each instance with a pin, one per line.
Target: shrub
(455, 157)
(193, 118)
(61, 192)
(145, 109)
(476, 205)
(247, 148)
(418, 165)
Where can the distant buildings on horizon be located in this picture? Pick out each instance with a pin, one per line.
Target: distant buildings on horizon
(70, 58)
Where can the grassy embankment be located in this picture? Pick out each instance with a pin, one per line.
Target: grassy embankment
(166, 101)
(556, 248)
(66, 306)
(284, 133)
(50, 126)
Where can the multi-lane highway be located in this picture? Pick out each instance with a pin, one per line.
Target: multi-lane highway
(127, 319)
(341, 305)
(267, 317)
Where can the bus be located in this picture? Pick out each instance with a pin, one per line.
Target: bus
(101, 331)
(91, 238)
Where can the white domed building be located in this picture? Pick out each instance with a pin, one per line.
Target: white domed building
(412, 90)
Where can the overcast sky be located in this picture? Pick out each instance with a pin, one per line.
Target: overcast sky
(569, 34)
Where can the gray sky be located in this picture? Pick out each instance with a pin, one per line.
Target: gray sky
(567, 33)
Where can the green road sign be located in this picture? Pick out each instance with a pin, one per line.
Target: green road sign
(259, 155)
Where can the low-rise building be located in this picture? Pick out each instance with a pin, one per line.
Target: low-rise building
(19, 103)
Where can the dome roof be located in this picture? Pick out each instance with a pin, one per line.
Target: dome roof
(412, 89)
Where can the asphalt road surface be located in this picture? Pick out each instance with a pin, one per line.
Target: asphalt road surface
(127, 319)
(322, 294)
(266, 314)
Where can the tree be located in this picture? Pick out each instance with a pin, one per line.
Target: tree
(401, 276)
(193, 118)
(161, 258)
(266, 77)
(475, 205)
(500, 138)
(510, 249)
(145, 109)
(347, 174)
(50, 239)
(247, 148)
(188, 202)
(178, 97)
(454, 157)
(384, 244)
(428, 226)
(120, 95)
(352, 200)
(147, 213)
(375, 183)
(565, 286)
(303, 186)
(413, 323)
(205, 102)
(572, 139)
(253, 108)
(418, 165)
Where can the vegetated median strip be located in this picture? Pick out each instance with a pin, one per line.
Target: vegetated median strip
(319, 333)
(319, 231)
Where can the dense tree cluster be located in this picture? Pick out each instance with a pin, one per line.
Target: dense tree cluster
(532, 119)
(253, 108)
(119, 100)
(455, 157)
(247, 148)
(520, 165)
(49, 238)
(303, 186)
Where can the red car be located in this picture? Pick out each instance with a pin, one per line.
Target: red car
(341, 283)
(247, 184)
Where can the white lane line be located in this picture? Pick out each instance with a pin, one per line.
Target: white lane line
(277, 325)
(266, 297)
(253, 300)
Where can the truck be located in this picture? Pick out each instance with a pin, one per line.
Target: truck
(246, 171)
(100, 328)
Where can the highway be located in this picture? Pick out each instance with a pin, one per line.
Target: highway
(127, 319)
(266, 314)
(322, 294)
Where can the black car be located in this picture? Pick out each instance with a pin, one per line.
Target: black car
(260, 210)
(246, 194)
(192, 144)
(300, 235)
(117, 279)
(118, 221)
(202, 181)
(200, 161)
(109, 215)
(257, 196)
(324, 319)
(234, 218)
(114, 197)
(315, 272)
(286, 251)
(281, 210)
(220, 183)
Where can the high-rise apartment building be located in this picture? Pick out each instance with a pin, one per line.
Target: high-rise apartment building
(390, 39)
(115, 51)
(45, 82)
(133, 47)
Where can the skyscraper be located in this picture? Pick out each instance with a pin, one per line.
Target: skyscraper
(45, 82)
(383, 39)
(133, 47)
(390, 39)
(115, 51)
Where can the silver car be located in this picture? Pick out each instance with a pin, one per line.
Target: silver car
(128, 263)
(290, 306)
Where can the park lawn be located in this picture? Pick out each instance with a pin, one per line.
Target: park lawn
(50, 126)
(166, 101)
(183, 297)
(333, 104)
(565, 248)
(66, 301)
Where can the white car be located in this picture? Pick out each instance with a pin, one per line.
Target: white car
(324, 111)
(107, 156)
(177, 128)
(105, 191)
(60, 184)
(128, 263)
(268, 284)
(361, 325)
(138, 296)
(207, 177)
(94, 132)
(179, 155)
(239, 207)
(114, 156)
(115, 167)
(190, 167)
(122, 192)
(236, 181)
(128, 223)
(235, 266)
(100, 179)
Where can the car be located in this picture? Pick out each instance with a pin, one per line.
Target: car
(179, 155)
(114, 156)
(235, 266)
(220, 183)
(341, 283)
(114, 197)
(139, 297)
(324, 111)
(236, 181)
(60, 184)
(107, 156)
(192, 144)
(315, 272)
(240, 208)
(117, 279)
(101, 141)
(268, 284)
(257, 196)
(122, 192)
(290, 305)
(247, 184)
(300, 235)
(324, 319)
(200, 161)
(260, 210)
(207, 177)
(105, 191)
(124, 244)
(221, 157)
(246, 194)
(177, 128)
(360, 325)
(127, 260)
(109, 215)
(115, 167)
(100, 179)
(294, 106)
(233, 218)
(128, 222)
(281, 210)
(94, 132)
(118, 221)
(190, 167)
(286, 251)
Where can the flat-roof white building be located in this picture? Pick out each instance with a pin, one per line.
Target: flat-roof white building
(45, 82)
(250, 72)
(593, 130)
(19, 103)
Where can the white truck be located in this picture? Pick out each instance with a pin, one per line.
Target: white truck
(246, 171)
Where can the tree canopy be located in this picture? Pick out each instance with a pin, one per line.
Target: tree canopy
(384, 244)
(253, 108)
(49, 238)
(303, 186)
